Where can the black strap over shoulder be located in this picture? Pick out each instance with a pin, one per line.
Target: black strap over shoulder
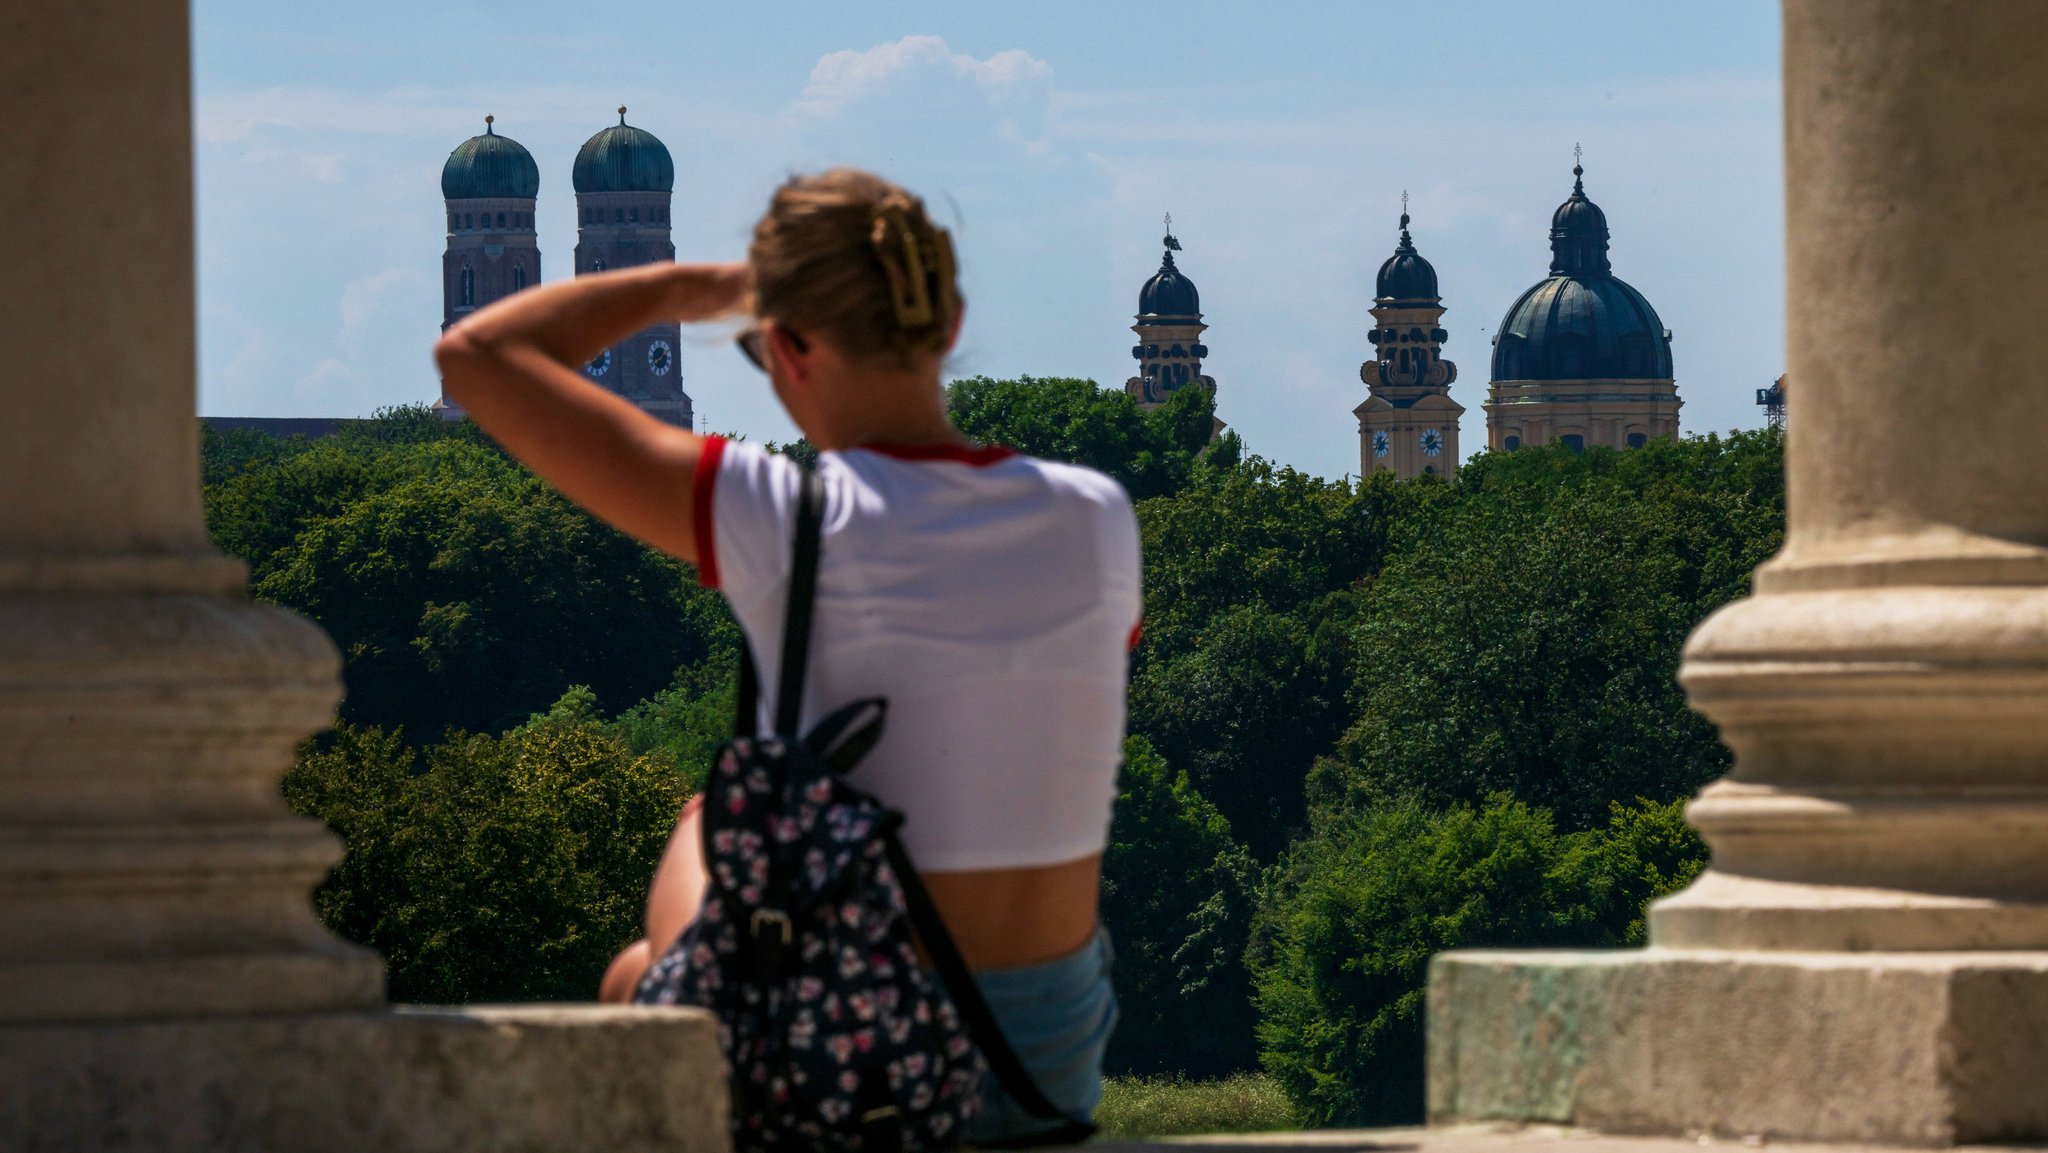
(981, 1021)
(796, 624)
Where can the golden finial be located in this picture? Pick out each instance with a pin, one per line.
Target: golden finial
(488, 119)
(622, 114)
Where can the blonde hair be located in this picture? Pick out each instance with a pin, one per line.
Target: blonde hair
(850, 256)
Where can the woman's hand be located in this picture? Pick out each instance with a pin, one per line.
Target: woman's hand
(515, 368)
(708, 291)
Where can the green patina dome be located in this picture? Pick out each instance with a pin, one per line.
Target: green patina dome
(623, 158)
(489, 166)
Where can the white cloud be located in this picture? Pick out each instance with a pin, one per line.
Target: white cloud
(918, 97)
(841, 79)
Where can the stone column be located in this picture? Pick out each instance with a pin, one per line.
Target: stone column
(1868, 957)
(163, 980)
(148, 866)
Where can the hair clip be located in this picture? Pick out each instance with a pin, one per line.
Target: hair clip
(907, 288)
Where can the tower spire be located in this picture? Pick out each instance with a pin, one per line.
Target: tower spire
(488, 119)
(622, 114)
(1404, 214)
(1578, 171)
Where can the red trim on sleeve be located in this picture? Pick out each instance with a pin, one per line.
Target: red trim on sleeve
(703, 483)
(1137, 634)
(978, 455)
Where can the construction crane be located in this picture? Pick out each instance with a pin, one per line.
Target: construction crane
(1772, 401)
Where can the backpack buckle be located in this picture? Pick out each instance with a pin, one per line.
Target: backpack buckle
(775, 917)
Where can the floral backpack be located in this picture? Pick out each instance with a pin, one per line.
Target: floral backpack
(835, 1037)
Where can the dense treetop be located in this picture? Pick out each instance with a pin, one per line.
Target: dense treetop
(1370, 719)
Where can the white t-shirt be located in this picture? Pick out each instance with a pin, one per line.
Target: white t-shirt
(990, 597)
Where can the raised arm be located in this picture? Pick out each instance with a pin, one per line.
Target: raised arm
(515, 368)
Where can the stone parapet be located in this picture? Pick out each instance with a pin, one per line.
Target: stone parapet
(1897, 1048)
(506, 1079)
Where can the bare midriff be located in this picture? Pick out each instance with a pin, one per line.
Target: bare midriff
(1004, 918)
(1000, 918)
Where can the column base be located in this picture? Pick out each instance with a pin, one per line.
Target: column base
(411, 1080)
(1901, 1048)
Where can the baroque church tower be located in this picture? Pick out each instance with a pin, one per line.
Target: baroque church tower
(1581, 358)
(1408, 424)
(624, 181)
(488, 186)
(1169, 351)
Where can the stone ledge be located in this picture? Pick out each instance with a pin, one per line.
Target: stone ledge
(1926, 1049)
(480, 1079)
(1471, 1139)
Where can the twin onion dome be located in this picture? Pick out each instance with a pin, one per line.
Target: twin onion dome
(490, 166)
(1582, 322)
(623, 158)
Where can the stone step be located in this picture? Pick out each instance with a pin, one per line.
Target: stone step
(475, 1079)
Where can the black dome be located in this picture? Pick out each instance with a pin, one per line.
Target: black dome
(1169, 294)
(489, 166)
(623, 158)
(1582, 322)
(1582, 328)
(1406, 276)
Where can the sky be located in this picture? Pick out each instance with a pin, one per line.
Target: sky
(1052, 137)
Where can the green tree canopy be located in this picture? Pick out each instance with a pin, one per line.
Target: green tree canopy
(1059, 418)
(1177, 893)
(1345, 940)
(506, 868)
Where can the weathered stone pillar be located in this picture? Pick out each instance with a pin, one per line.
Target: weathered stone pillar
(148, 865)
(1868, 957)
(163, 980)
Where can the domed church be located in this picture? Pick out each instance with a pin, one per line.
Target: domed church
(1169, 325)
(1408, 424)
(1581, 358)
(624, 179)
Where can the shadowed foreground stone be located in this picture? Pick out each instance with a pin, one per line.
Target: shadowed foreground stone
(504, 1079)
(1458, 1139)
(1929, 1049)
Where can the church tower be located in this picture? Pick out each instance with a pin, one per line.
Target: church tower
(488, 186)
(624, 181)
(1581, 358)
(1408, 424)
(1169, 351)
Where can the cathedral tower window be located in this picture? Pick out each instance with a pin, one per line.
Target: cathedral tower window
(468, 286)
(518, 278)
(635, 214)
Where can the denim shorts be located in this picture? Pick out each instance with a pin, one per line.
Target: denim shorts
(1057, 1015)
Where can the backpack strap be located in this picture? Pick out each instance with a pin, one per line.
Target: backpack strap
(796, 624)
(981, 1021)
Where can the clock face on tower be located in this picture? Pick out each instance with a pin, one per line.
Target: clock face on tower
(598, 366)
(1432, 442)
(660, 358)
(1380, 444)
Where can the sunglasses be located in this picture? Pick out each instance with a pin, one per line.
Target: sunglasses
(754, 346)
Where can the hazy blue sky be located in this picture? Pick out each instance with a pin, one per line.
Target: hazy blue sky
(1054, 135)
